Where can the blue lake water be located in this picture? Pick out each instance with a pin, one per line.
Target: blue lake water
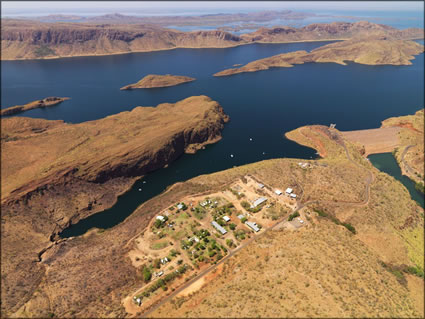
(262, 105)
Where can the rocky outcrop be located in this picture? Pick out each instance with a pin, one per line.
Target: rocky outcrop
(371, 51)
(48, 101)
(23, 39)
(158, 81)
(75, 170)
(331, 31)
(127, 144)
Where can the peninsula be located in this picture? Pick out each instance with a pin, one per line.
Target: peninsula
(372, 51)
(25, 39)
(158, 81)
(344, 214)
(48, 101)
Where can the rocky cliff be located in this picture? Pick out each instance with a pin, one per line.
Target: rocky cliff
(22, 39)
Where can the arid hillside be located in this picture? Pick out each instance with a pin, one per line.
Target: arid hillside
(71, 171)
(410, 153)
(22, 39)
(158, 81)
(338, 262)
(282, 273)
(371, 51)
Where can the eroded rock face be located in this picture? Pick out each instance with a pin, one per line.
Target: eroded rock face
(76, 170)
(36, 40)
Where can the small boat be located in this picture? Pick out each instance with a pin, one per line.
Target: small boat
(144, 182)
(140, 189)
(231, 155)
(250, 139)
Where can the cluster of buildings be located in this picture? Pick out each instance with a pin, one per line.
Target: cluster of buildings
(288, 192)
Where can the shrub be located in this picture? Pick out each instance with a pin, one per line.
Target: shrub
(292, 216)
(147, 274)
(245, 204)
(157, 263)
(349, 227)
(420, 187)
(243, 220)
(232, 226)
(415, 270)
(229, 242)
(321, 213)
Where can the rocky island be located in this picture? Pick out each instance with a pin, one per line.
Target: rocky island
(371, 51)
(48, 101)
(25, 39)
(158, 81)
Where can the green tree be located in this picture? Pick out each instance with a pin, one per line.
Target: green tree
(147, 274)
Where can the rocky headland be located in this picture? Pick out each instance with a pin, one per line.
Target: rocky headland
(370, 51)
(24, 39)
(48, 101)
(158, 81)
(91, 275)
(76, 170)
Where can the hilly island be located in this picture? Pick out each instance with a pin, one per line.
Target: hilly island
(46, 102)
(371, 51)
(158, 81)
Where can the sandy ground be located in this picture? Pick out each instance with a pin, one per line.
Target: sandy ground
(378, 140)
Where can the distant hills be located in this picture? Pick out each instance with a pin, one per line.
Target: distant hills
(22, 39)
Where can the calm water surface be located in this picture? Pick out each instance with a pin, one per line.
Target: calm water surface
(262, 105)
(388, 164)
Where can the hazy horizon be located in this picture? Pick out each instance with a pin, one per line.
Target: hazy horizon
(89, 8)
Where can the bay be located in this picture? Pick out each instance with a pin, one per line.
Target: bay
(262, 105)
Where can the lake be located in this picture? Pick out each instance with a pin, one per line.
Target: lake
(262, 105)
(387, 163)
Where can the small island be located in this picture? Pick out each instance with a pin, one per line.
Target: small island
(48, 101)
(158, 81)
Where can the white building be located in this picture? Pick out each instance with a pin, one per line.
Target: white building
(226, 218)
(260, 185)
(293, 196)
(288, 190)
(219, 228)
(180, 206)
(161, 218)
(259, 201)
(253, 226)
(241, 216)
(278, 192)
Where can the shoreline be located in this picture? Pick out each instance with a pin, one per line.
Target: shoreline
(167, 49)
